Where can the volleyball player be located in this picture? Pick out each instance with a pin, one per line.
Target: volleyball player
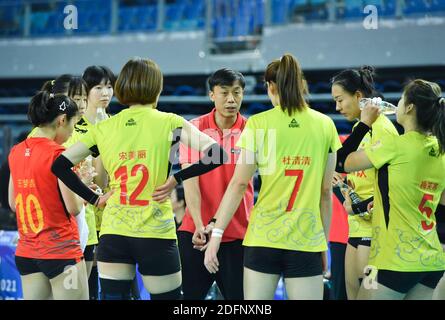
(203, 195)
(294, 149)
(348, 87)
(138, 226)
(48, 254)
(406, 255)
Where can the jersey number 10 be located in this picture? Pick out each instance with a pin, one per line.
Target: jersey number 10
(31, 200)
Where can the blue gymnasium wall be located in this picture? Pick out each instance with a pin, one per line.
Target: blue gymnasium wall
(328, 46)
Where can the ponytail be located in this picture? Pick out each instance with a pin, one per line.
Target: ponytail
(439, 124)
(291, 85)
(430, 108)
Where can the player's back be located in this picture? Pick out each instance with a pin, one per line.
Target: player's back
(46, 229)
(291, 154)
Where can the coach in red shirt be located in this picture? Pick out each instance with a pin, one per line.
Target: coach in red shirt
(203, 195)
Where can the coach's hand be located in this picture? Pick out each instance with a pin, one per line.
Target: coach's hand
(162, 193)
(210, 259)
(199, 238)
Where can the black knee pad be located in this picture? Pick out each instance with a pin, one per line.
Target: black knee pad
(170, 295)
(115, 289)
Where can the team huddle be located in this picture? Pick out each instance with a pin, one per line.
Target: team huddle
(87, 186)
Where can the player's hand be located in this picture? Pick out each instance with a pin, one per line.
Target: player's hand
(199, 238)
(370, 206)
(347, 204)
(210, 259)
(337, 179)
(103, 199)
(162, 193)
(370, 112)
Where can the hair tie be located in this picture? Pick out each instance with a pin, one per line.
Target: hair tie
(440, 100)
(53, 82)
(51, 95)
(62, 106)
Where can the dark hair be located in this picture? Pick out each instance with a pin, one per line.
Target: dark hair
(353, 80)
(77, 86)
(140, 82)
(430, 108)
(93, 75)
(289, 78)
(225, 77)
(45, 107)
(58, 86)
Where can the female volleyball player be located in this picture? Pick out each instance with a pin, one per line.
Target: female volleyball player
(294, 149)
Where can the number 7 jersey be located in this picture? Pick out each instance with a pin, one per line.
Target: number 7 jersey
(135, 147)
(291, 155)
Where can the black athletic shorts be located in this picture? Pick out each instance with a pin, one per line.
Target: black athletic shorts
(51, 268)
(89, 252)
(355, 242)
(289, 263)
(154, 257)
(404, 281)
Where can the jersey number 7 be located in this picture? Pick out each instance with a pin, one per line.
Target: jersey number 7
(299, 175)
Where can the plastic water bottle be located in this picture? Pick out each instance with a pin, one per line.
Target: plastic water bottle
(352, 194)
(101, 115)
(355, 200)
(385, 107)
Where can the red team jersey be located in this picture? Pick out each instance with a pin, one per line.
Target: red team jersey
(213, 184)
(46, 229)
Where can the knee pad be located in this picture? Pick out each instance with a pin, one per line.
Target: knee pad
(115, 289)
(170, 295)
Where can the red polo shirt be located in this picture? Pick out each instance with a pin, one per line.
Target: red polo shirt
(339, 220)
(213, 184)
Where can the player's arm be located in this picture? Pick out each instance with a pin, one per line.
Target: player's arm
(62, 170)
(357, 161)
(102, 176)
(214, 156)
(326, 193)
(72, 202)
(11, 195)
(368, 116)
(229, 204)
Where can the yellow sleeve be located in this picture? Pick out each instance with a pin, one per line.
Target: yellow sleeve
(335, 139)
(89, 138)
(248, 138)
(383, 151)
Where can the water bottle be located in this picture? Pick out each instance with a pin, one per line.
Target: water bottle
(352, 194)
(101, 115)
(385, 107)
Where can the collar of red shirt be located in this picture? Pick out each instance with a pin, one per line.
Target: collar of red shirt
(237, 125)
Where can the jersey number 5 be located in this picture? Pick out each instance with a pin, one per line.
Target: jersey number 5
(31, 200)
(426, 210)
(122, 174)
(299, 175)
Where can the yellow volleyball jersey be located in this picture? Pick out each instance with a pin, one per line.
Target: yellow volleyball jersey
(135, 146)
(363, 181)
(291, 154)
(409, 184)
(80, 129)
